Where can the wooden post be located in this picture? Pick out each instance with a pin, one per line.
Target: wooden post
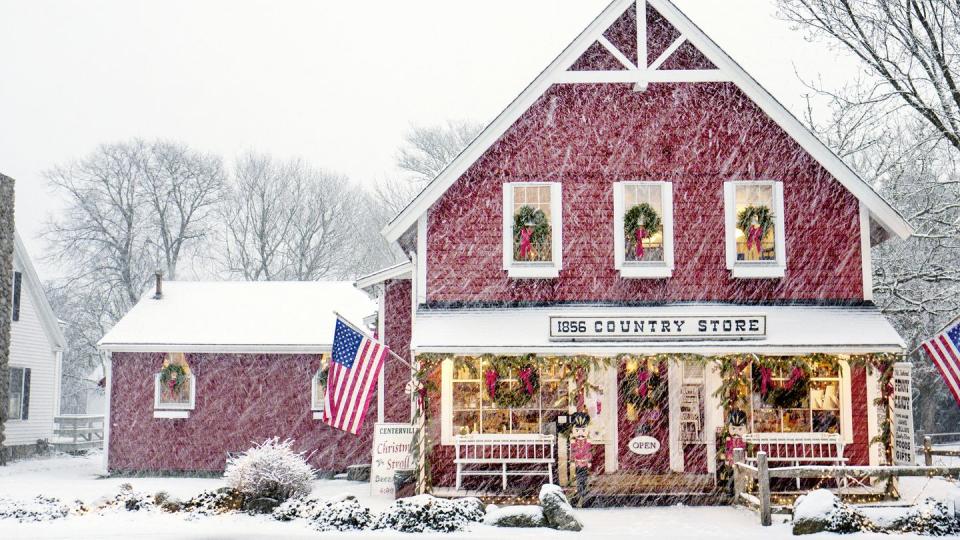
(927, 451)
(739, 479)
(763, 481)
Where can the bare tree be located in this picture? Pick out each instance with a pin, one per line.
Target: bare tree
(911, 48)
(427, 150)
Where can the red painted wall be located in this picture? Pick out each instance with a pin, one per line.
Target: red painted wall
(397, 336)
(241, 399)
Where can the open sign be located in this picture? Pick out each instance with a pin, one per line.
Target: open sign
(644, 445)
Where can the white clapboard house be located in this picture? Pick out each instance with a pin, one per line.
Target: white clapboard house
(36, 348)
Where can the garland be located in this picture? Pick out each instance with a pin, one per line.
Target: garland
(644, 389)
(641, 222)
(576, 371)
(788, 394)
(531, 228)
(527, 375)
(421, 448)
(174, 375)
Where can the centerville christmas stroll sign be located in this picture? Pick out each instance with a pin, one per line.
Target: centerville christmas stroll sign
(391, 452)
(573, 328)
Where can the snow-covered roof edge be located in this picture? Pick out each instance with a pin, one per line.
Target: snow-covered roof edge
(402, 270)
(49, 320)
(884, 213)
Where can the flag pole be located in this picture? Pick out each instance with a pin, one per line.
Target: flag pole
(368, 336)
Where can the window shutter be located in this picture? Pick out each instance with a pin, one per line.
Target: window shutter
(17, 285)
(24, 413)
(729, 209)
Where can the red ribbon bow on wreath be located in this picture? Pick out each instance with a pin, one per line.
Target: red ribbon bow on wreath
(765, 376)
(491, 376)
(525, 246)
(643, 386)
(754, 236)
(524, 375)
(795, 376)
(640, 234)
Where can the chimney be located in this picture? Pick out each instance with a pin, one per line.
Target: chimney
(159, 291)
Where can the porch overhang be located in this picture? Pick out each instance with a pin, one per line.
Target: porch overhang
(788, 330)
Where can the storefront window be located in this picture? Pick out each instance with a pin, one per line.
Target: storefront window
(514, 409)
(815, 409)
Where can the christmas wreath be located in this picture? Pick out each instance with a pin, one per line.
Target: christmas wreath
(644, 389)
(512, 396)
(531, 229)
(640, 222)
(174, 375)
(785, 394)
(755, 232)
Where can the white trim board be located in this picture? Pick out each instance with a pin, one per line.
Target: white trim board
(35, 287)
(397, 271)
(729, 69)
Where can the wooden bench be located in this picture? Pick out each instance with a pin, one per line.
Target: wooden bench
(504, 451)
(792, 449)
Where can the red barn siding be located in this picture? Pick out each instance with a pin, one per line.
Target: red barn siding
(695, 135)
(241, 399)
(397, 330)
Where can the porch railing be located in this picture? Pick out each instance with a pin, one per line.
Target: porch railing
(762, 473)
(73, 432)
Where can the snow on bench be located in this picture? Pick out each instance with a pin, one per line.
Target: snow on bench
(504, 450)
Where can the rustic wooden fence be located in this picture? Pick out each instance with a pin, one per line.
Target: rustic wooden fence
(929, 451)
(762, 474)
(75, 432)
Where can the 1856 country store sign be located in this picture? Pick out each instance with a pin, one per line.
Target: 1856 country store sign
(661, 327)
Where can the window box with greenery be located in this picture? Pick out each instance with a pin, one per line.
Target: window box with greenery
(532, 230)
(175, 388)
(643, 229)
(755, 242)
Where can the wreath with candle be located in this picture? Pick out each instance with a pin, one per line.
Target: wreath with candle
(531, 230)
(755, 231)
(174, 376)
(640, 222)
(644, 388)
(787, 393)
(511, 396)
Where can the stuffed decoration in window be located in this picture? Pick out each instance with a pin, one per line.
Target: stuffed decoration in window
(175, 384)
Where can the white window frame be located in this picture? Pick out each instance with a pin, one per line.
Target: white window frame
(23, 387)
(533, 270)
(755, 269)
(316, 398)
(173, 410)
(643, 269)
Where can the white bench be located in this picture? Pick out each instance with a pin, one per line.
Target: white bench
(793, 449)
(535, 452)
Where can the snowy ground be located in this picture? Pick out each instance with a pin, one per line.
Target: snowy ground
(70, 478)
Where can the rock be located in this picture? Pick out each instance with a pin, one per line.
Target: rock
(261, 505)
(358, 473)
(557, 510)
(810, 526)
(516, 516)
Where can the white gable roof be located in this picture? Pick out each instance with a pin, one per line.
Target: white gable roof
(268, 317)
(556, 72)
(33, 285)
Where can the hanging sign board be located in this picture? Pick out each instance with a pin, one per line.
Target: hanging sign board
(570, 328)
(391, 452)
(904, 452)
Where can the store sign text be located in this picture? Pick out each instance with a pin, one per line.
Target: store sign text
(628, 328)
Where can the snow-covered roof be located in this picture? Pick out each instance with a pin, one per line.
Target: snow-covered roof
(239, 317)
(789, 330)
(881, 210)
(402, 270)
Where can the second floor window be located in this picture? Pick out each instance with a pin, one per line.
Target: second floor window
(532, 229)
(755, 229)
(175, 384)
(643, 229)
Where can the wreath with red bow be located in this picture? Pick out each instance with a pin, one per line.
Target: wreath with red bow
(782, 394)
(521, 368)
(644, 389)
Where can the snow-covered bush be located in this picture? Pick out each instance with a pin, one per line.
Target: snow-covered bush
(427, 513)
(214, 502)
(37, 509)
(271, 470)
(125, 499)
(820, 510)
(298, 508)
(342, 515)
(931, 517)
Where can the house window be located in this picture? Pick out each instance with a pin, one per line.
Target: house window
(818, 410)
(532, 227)
(643, 229)
(318, 387)
(17, 287)
(18, 406)
(475, 412)
(755, 229)
(174, 388)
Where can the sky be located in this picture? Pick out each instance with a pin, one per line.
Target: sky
(338, 83)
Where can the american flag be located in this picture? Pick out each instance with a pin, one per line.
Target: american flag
(354, 368)
(944, 350)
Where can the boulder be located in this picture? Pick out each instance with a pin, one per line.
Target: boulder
(358, 473)
(516, 516)
(261, 505)
(812, 512)
(557, 510)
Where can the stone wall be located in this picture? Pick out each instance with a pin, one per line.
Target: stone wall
(6, 290)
